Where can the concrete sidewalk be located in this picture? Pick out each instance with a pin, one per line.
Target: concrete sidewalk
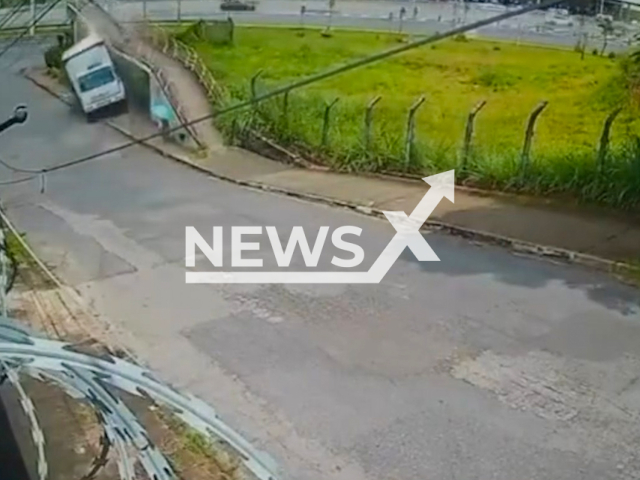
(598, 233)
(594, 237)
(505, 219)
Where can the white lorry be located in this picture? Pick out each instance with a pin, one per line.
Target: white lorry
(93, 76)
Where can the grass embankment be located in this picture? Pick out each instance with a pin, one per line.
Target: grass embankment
(454, 76)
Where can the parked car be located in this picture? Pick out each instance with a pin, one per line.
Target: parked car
(237, 6)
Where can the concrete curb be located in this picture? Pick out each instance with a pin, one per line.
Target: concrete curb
(619, 269)
(72, 295)
(518, 246)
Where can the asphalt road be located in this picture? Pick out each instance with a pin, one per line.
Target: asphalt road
(535, 27)
(483, 366)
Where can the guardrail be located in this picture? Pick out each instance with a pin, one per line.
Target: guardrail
(169, 90)
(121, 43)
(188, 57)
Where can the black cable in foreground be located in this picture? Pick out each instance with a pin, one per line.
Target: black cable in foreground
(312, 79)
(35, 21)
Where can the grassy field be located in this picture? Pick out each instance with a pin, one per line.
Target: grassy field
(453, 75)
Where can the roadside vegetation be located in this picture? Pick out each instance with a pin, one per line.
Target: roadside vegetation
(454, 75)
(193, 456)
(53, 54)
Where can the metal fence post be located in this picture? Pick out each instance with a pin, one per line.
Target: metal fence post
(368, 120)
(234, 130)
(325, 121)
(528, 136)
(468, 133)
(604, 139)
(411, 124)
(253, 83)
(254, 106)
(285, 108)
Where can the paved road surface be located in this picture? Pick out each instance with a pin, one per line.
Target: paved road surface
(483, 366)
(535, 27)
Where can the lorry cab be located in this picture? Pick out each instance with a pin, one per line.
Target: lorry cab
(93, 75)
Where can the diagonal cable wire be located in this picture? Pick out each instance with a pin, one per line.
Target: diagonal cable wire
(33, 23)
(19, 180)
(12, 13)
(312, 79)
(293, 86)
(19, 170)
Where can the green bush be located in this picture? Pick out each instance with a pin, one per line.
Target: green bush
(53, 55)
(216, 32)
(495, 79)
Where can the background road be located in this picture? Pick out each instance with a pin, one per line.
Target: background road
(482, 366)
(537, 27)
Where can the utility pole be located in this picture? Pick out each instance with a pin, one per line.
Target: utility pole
(601, 7)
(32, 29)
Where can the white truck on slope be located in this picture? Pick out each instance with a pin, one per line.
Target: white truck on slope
(93, 76)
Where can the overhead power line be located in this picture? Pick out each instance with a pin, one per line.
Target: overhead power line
(306, 81)
(33, 23)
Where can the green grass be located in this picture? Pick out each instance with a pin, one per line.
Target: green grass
(17, 250)
(454, 76)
